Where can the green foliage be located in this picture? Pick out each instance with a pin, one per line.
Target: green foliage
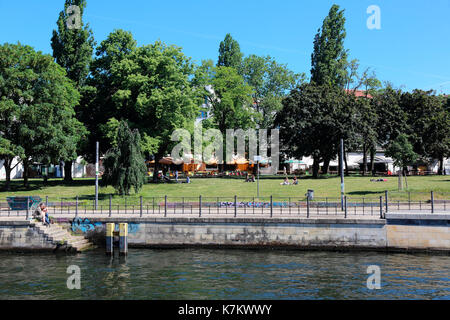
(36, 107)
(229, 53)
(329, 59)
(271, 82)
(152, 87)
(391, 117)
(72, 48)
(124, 164)
(313, 120)
(232, 101)
(428, 123)
(401, 151)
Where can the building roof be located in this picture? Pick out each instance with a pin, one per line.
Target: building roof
(359, 93)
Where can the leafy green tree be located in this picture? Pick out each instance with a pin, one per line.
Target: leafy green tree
(392, 119)
(231, 102)
(97, 106)
(271, 82)
(428, 125)
(124, 163)
(312, 122)
(401, 151)
(72, 50)
(329, 59)
(36, 108)
(229, 53)
(152, 87)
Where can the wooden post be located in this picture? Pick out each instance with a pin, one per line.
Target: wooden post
(123, 238)
(110, 238)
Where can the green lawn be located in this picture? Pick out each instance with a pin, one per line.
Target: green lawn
(215, 187)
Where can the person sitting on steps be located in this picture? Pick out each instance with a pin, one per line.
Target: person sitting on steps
(44, 215)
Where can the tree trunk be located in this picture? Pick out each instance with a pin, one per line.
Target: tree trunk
(372, 161)
(68, 171)
(364, 160)
(326, 165)
(316, 168)
(155, 171)
(25, 174)
(406, 179)
(400, 180)
(441, 166)
(8, 170)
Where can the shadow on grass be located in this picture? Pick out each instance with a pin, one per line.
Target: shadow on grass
(39, 184)
(363, 193)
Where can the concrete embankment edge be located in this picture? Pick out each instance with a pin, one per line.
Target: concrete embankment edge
(398, 233)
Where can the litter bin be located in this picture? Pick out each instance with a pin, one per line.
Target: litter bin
(310, 194)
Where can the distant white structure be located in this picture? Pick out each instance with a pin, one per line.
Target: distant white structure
(78, 169)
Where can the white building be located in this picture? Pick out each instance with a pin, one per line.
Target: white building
(78, 169)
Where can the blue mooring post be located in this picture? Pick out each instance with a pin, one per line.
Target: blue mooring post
(110, 238)
(123, 239)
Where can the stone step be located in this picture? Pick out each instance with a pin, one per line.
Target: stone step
(78, 243)
(80, 248)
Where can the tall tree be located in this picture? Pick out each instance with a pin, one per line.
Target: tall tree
(231, 102)
(312, 122)
(149, 86)
(73, 46)
(329, 59)
(428, 125)
(97, 106)
(401, 151)
(271, 82)
(124, 163)
(36, 107)
(229, 53)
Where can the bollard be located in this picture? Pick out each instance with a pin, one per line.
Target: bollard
(123, 239)
(110, 238)
(199, 205)
(76, 207)
(235, 206)
(141, 205)
(271, 206)
(28, 208)
(381, 207)
(432, 202)
(345, 206)
(165, 206)
(307, 207)
(386, 198)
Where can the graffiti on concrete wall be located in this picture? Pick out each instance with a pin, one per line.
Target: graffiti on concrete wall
(85, 225)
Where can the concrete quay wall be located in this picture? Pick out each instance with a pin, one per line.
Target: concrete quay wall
(398, 232)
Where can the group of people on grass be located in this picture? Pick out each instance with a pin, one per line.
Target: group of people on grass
(287, 183)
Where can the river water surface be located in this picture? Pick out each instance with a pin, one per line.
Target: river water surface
(225, 274)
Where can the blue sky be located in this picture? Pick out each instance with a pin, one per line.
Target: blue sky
(411, 49)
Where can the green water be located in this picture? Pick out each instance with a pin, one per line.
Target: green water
(225, 274)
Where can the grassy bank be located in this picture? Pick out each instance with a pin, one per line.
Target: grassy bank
(419, 187)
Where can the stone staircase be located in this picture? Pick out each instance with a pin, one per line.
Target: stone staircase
(62, 238)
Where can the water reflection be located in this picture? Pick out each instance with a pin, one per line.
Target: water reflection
(225, 274)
